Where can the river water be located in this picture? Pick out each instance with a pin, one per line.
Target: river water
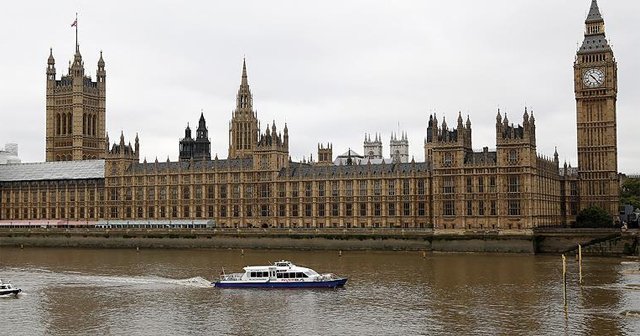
(167, 292)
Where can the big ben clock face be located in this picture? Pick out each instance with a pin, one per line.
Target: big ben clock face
(593, 77)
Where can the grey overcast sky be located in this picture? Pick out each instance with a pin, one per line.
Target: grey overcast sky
(332, 70)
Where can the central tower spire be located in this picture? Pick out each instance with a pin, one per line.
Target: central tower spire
(243, 128)
(244, 99)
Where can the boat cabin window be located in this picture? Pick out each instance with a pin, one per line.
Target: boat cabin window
(259, 274)
(291, 275)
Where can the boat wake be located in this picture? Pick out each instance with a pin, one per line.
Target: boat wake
(79, 279)
(199, 282)
(141, 281)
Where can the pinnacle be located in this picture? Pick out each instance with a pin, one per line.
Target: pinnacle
(594, 13)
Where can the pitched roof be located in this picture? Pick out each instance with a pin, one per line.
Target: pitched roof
(168, 167)
(594, 13)
(594, 43)
(59, 170)
(299, 170)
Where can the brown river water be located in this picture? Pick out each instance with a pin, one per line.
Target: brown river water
(168, 292)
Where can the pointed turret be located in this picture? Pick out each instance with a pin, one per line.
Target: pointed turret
(77, 67)
(187, 132)
(594, 35)
(202, 133)
(532, 119)
(51, 66)
(594, 13)
(51, 60)
(101, 74)
(286, 136)
(202, 122)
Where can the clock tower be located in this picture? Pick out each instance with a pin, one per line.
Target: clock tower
(596, 89)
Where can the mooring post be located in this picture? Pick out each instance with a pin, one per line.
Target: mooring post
(580, 262)
(564, 279)
(339, 253)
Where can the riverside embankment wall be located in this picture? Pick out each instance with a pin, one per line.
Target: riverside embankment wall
(550, 241)
(539, 241)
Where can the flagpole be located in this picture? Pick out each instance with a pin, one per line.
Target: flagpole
(76, 22)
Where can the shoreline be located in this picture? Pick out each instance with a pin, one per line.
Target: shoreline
(594, 241)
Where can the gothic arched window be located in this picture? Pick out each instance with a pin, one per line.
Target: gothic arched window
(513, 157)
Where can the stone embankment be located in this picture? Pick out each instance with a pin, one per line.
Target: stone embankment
(613, 242)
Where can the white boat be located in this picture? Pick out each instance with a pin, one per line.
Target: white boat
(7, 289)
(282, 274)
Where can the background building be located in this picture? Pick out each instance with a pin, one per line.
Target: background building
(197, 149)
(9, 154)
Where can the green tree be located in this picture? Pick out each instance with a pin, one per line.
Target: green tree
(630, 192)
(593, 217)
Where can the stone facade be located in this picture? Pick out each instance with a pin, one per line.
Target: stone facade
(596, 89)
(454, 188)
(76, 112)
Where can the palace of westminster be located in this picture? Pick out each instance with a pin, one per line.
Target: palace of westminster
(85, 178)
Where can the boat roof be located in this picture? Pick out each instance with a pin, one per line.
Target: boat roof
(279, 265)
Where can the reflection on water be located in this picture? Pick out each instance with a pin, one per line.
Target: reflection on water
(78, 291)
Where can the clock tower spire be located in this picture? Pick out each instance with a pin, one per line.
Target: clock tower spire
(596, 89)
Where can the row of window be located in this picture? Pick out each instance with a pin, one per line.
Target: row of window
(482, 208)
(448, 184)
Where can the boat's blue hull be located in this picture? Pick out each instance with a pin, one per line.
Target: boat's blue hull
(294, 284)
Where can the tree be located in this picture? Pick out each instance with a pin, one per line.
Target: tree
(593, 217)
(630, 192)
